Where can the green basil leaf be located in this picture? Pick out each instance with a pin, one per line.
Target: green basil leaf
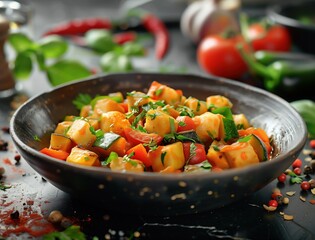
(20, 42)
(22, 65)
(110, 62)
(133, 49)
(100, 40)
(53, 46)
(65, 71)
(40, 60)
(306, 109)
(81, 100)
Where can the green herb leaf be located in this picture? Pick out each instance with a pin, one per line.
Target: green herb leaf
(65, 71)
(4, 187)
(111, 62)
(206, 165)
(53, 46)
(306, 109)
(185, 111)
(82, 100)
(100, 40)
(245, 139)
(163, 154)
(71, 233)
(22, 65)
(36, 138)
(20, 42)
(112, 156)
(216, 148)
(132, 49)
(230, 128)
(192, 151)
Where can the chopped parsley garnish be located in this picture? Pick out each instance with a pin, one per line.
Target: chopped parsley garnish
(245, 139)
(158, 92)
(138, 118)
(216, 148)
(240, 126)
(127, 158)
(98, 133)
(206, 165)
(4, 187)
(185, 111)
(172, 125)
(230, 128)
(173, 137)
(198, 106)
(181, 123)
(112, 156)
(81, 100)
(36, 138)
(192, 151)
(163, 154)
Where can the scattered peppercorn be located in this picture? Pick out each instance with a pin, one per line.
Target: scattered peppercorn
(2, 171)
(17, 157)
(66, 222)
(3, 145)
(5, 129)
(308, 170)
(312, 165)
(55, 216)
(15, 215)
(312, 183)
(312, 155)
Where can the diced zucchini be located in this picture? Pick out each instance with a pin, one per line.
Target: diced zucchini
(60, 142)
(259, 147)
(79, 132)
(110, 142)
(83, 157)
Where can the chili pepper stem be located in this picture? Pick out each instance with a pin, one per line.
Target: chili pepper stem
(271, 75)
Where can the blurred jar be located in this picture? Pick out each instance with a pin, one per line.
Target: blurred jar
(205, 17)
(14, 17)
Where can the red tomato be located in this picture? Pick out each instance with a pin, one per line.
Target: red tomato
(140, 153)
(276, 38)
(185, 123)
(135, 137)
(195, 154)
(219, 56)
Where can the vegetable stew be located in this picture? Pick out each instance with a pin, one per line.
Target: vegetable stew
(160, 130)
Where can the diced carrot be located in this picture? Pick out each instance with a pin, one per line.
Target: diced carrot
(60, 154)
(140, 153)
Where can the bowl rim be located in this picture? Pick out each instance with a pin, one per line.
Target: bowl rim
(273, 12)
(298, 146)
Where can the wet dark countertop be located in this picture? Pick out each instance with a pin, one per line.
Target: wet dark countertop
(245, 219)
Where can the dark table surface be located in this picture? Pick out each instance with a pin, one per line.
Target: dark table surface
(245, 219)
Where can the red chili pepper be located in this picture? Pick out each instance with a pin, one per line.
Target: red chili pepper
(80, 26)
(123, 37)
(159, 30)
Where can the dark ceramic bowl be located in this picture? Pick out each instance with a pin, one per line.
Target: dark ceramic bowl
(154, 193)
(296, 16)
